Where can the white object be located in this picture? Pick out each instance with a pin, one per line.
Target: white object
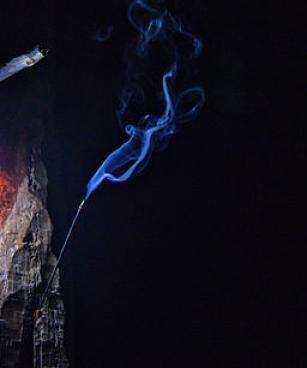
(21, 62)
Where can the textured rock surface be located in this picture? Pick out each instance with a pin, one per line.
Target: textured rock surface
(27, 338)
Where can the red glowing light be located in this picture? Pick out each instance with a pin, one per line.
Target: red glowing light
(7, 196)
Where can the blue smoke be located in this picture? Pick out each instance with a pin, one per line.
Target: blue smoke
(152, 131)
(152, 24)
(101, 36)
(143, 140)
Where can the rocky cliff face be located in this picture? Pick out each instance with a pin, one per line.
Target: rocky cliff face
(28, 338)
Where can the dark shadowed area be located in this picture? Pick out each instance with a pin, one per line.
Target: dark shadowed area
(197, 261)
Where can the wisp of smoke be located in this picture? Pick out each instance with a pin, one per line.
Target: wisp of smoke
(153, 24)
(101, 36)
(153, 130)
(146, 136)
(143, 140)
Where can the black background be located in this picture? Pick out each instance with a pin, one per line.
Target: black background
(197, 261)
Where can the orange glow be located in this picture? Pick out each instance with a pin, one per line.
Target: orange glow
(7, 196)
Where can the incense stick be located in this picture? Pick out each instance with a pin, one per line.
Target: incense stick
(51, 277)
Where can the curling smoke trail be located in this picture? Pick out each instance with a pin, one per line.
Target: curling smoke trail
(152, 131)
(143, 141)
(153, 23)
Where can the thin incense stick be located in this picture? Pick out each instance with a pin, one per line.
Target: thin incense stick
(51, 277)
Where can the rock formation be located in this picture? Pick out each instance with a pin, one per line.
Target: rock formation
(28, 337)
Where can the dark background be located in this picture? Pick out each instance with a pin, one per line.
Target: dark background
(197, 261)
